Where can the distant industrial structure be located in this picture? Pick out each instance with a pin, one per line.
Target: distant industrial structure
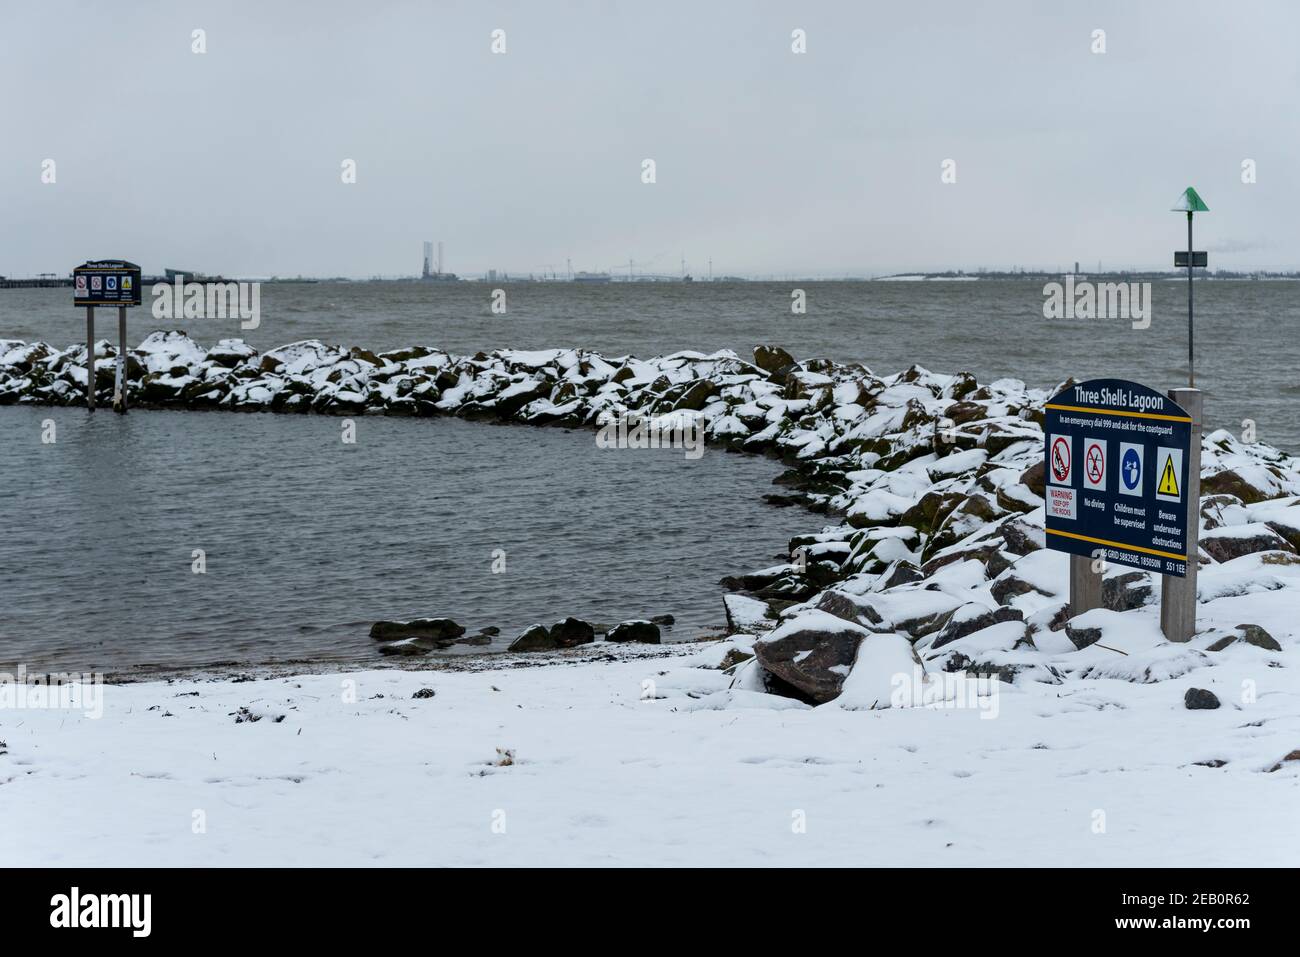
(432, 271)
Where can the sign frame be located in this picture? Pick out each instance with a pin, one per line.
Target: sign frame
(1099, 513)
(107, 282)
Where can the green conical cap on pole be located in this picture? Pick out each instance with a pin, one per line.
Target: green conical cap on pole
(1191, 202)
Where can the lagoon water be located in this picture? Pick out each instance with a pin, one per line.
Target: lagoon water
(308, 541)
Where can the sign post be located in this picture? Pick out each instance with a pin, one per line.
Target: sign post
(1119, 457)
(1178, 595)
(106, 282)
(1190, 202)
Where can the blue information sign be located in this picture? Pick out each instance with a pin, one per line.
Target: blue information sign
(1117, 455)
(106, 282)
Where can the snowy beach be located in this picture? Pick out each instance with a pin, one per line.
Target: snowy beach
(906, 689)
(1104, 771)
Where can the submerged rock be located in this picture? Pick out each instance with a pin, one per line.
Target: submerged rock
(644, 632)
(414, 646)
(437, 629)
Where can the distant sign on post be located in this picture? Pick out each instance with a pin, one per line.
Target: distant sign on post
(106, 282)
(1116, 474)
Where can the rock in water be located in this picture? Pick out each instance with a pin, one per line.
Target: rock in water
(534, 638)
(572, 632)
(1199, 699)
(413, 646)
(812, 652)
(437, 629)
(645, 632)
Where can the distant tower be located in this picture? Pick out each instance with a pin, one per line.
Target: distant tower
(427, 271)
(1076, 267)
(440, 257)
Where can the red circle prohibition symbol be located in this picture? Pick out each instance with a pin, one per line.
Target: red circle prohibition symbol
(1060, 460)
(1095, 462)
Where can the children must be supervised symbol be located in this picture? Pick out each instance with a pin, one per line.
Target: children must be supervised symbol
(1130, 468)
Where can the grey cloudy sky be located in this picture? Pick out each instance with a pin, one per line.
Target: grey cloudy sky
(769, 162)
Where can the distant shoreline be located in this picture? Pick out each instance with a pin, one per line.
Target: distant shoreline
(1222, 275)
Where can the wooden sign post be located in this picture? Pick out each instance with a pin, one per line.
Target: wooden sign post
(106, 282)
(1178, 595)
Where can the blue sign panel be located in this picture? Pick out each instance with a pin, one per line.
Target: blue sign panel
(1115, 475)
(106, 282)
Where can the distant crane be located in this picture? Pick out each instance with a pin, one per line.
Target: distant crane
(631, 268)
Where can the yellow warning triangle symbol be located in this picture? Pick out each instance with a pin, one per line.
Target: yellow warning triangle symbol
(1168, 480)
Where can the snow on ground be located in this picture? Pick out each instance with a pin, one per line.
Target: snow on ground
(608, 770)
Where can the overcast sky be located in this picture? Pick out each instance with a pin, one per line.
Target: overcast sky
(826, 163)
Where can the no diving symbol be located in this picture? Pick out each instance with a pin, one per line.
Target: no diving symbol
(1061, 460)
(1094, 461)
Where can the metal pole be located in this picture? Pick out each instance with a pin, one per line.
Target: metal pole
(1178, 595)
(1191, 362)
(90, 358)
(119, 404)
